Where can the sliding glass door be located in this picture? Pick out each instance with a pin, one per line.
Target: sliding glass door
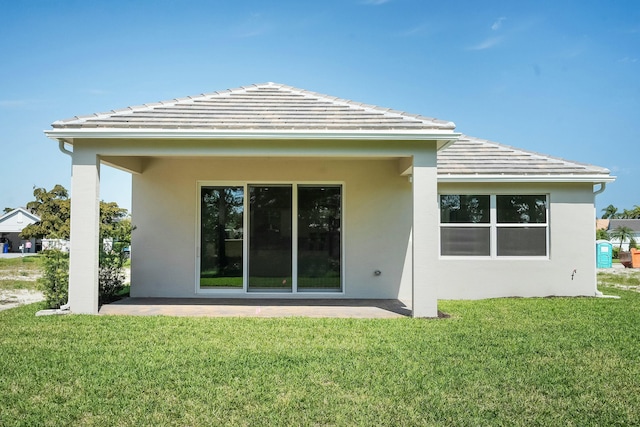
(270, 238)
(293, 242)
(319, 247)
(221, 237)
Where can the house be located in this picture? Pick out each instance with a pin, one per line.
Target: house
(633, 224)
(602, 224)
(11, 225)
(273, 191)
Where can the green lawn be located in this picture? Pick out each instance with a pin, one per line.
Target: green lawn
(19, 273)
(544, 361)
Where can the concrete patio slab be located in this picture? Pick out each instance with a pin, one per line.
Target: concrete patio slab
(242, 307)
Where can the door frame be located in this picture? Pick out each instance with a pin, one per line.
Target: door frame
(245, 237)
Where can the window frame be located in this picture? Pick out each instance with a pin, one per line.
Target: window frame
(246, 237)
(494, 225)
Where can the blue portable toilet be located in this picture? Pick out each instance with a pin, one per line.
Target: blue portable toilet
(604, 254)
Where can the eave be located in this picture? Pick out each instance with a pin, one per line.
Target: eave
(68, 135)
(592, 178)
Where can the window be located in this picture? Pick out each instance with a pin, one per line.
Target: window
(494, 225)
(270, 238)
(319, 229)
(221, 236)
(293, 241)
(465, 225)
(521, 225)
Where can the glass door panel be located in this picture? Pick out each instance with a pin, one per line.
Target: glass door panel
(221, 237)
(319, 246)
(270, 238)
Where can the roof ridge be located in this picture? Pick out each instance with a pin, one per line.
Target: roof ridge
(387, 112)
(20, 209)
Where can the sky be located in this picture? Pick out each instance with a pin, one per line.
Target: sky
(557, 77)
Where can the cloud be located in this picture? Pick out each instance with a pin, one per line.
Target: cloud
(253, 26)
(491, 41)
(498, 23)
(97, 92)
(414, 31)
(487, 43)
(618, 170)
(16, 103)
(628, 60)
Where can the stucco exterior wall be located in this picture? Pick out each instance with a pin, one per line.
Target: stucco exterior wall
(377, 220)
(572, 248)
(377, 230)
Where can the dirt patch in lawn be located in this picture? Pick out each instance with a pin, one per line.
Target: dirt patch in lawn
(15, 297)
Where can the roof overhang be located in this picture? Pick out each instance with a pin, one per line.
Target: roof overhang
(526, 178)
(68, 135)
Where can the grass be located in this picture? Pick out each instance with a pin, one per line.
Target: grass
(541, 361)
(19, 273)
(631, 281)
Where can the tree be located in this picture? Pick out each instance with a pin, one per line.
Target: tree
(54, 209)
(626, 214)
(602, 234)
(623, 233)
(610, 212)
(112, 217)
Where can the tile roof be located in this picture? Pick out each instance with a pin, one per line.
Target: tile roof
(273, 107)
(474, 156)
(268, 106)
(633, 224)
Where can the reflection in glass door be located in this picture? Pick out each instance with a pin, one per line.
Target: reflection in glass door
(221, 237)
(319, 246)
(270, 238)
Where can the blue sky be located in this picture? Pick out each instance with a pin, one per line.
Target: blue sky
(556, 77)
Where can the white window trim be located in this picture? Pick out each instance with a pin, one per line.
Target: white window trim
(494, 225)
(244, 291)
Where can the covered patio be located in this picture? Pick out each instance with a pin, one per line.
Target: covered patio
(266, 192)
(259, 307)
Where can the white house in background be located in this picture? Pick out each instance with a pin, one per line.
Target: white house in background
(273, 191)
(633, 224)
(11, 225)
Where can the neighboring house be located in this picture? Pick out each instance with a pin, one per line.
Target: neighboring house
(272, 191)
(602, 224)
(633, 224)
(11, 225)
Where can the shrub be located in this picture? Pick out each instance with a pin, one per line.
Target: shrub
(55, 277)
(111, 273)
(615, 253)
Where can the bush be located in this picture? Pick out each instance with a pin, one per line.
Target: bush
(111, 273)
(615, 254)
(55, 278)
(110, 282)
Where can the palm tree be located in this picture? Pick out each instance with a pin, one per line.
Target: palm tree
(626, 214)
(635, 213)
(623, 233)
(610, 212)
